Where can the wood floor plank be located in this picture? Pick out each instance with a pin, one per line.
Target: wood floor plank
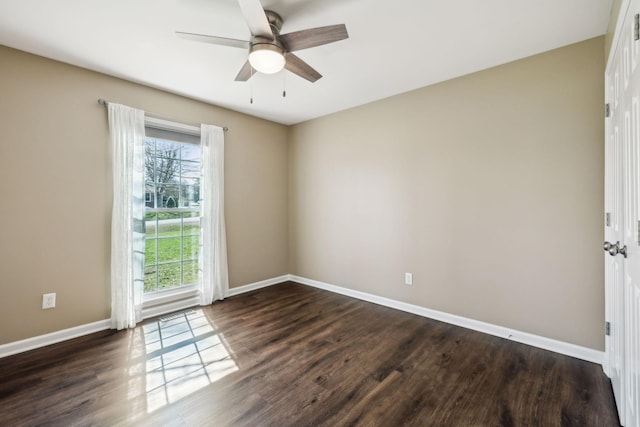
(291, 355)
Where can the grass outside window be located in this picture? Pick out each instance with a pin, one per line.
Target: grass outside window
(178, 246)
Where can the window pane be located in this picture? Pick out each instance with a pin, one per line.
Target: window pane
(149, 147)
(190, 170)
(167, 149)
(165, 171)
(150, 252)
(165, 163)
(190, 247)
(149, 172)
(190, 192)
(150, 225)
(168, 275)
(190, 272)
(149, 195)
(169, 228)
(150, 278)
(167, 195)
(169, 249)
(191, 152)
(190, 196)
(191, 228)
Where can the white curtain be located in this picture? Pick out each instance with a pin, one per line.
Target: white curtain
(126, 128)
(214, 277)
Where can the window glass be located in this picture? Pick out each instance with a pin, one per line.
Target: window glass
(172, 214)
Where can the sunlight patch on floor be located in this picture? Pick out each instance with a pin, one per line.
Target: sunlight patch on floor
(183, 355)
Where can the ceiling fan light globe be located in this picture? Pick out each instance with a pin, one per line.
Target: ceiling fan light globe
(266, 58)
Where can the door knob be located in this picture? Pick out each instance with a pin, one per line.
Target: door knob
(623, 251)
(615, 249)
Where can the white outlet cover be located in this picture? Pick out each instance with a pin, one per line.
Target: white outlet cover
(48, 301)
(408, 279)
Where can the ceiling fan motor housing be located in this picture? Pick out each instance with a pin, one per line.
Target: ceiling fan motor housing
(275, 21)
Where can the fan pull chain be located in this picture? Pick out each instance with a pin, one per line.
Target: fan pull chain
(284, 84)
(251, 86)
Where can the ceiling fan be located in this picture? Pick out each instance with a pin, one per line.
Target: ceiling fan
(270, 51)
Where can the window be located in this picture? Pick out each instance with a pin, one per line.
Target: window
(172, 210)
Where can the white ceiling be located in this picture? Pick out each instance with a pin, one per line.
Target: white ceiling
(394, 46)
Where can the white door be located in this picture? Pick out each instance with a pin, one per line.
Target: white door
(622, 184)
(630, 103)
(614, 265)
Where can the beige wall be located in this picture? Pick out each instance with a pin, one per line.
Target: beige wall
(488, 188)
(55, 189)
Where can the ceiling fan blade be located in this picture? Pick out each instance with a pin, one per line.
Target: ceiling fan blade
(301, 68)
(256, 18)
(312, 37)
(222, 41)
(245, 72)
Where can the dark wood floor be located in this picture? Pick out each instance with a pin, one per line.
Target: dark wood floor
(291, 355)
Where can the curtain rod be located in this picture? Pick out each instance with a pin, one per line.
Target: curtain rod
(158, 116)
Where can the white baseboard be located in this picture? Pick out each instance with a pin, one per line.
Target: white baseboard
(257, 285)
(53, 337)
(561, 347)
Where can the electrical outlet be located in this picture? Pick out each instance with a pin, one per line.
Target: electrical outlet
(48, 301)
(408, 279)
